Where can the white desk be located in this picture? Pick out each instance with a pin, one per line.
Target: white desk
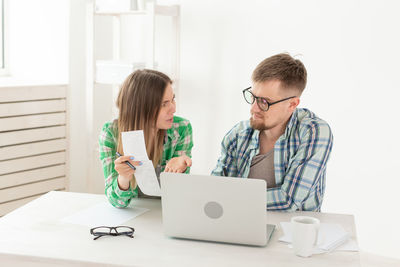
(34, 234)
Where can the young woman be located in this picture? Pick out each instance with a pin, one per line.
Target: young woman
(146, 101)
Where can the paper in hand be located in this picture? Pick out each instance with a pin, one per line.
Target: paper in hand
(146, 178)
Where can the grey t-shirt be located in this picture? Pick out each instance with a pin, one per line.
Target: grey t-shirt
(262, 167)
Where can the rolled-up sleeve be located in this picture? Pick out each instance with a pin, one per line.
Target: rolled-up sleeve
(107, 146)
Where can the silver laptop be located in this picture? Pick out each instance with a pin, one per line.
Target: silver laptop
(213, 208)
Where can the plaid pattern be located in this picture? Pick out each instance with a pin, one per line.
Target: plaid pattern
(300, 158)
(178, 142)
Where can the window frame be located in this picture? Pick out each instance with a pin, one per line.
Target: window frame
(4, 67)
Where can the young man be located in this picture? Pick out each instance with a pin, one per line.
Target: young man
(287, 146)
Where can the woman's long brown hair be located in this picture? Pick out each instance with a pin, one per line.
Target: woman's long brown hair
(139, 103)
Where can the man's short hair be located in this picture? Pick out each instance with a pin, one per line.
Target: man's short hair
(289, 71)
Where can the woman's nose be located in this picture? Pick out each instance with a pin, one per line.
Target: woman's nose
(173, 107)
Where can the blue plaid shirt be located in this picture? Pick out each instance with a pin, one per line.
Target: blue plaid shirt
(300, 158)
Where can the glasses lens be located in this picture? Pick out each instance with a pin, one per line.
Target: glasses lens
(248, 96)
(101, 231)
(123, 230)
(262, 103)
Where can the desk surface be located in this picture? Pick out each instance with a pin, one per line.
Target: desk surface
(34, 234)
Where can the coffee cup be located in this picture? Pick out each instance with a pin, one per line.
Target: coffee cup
(304, 235)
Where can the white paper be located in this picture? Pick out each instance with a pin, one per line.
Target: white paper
(350, 245)
(146, 178)
(103, 214)
(330, 237)
(134, 145)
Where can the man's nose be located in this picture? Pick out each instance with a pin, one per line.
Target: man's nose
(254, 107)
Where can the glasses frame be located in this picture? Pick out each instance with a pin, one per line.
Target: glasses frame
(258, 99)
(113, 231)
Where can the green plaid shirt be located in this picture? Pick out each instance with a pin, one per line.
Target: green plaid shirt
(178, 142)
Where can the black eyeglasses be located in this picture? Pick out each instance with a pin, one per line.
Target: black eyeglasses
(113, 231)
(262, 103)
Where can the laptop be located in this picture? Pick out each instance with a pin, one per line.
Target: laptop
(213, 208)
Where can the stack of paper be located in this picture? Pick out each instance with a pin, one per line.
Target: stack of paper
(330, 237)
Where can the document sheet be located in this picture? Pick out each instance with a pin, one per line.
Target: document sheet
(146, 178)
(103, 214)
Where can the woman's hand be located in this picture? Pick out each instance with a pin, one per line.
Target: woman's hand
(178, 164)
(125, 172)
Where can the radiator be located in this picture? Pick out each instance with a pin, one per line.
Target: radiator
(33, 143)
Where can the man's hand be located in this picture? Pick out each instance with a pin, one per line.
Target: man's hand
(178, 164)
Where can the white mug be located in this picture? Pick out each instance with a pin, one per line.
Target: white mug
(304, 235)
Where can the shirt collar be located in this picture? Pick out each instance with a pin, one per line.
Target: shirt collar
(254, 142)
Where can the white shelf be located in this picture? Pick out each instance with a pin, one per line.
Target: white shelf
(119, 13)
(161, 10)
(115, 71)
(172, 11)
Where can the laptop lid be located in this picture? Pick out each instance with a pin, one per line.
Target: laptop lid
(214, 208)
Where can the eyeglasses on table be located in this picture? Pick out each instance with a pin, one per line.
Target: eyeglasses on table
(112, 231)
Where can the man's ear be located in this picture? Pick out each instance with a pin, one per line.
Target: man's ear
(294, 102)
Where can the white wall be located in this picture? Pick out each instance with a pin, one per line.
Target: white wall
(351, 51)
(38, 42)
